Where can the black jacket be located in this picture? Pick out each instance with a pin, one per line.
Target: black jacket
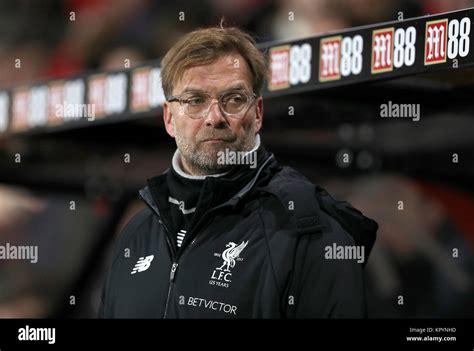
(275, 249)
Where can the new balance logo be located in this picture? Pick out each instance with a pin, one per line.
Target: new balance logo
(143, 264)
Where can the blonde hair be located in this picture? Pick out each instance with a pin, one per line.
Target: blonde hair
(204, 46)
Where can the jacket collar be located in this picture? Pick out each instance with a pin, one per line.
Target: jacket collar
(267, 165)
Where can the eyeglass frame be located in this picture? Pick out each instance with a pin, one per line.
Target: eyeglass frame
(178, 98)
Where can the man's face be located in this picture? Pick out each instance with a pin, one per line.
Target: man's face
(199, 140)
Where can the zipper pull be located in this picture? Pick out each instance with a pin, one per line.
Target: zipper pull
(174, 267)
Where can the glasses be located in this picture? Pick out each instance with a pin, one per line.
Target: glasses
(196, 104)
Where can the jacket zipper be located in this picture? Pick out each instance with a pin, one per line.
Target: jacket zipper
(174, 267)
(175, 259)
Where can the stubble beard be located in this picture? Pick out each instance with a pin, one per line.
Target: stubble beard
(202, 158)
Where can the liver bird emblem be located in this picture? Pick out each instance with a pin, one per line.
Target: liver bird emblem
(231, 254)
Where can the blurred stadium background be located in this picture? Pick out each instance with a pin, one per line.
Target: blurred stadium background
(413, 254)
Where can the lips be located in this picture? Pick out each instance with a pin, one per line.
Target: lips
(217, 140)
(213, 141)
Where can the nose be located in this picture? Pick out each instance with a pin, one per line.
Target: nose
(215, 116)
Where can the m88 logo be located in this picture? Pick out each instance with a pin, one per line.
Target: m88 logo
(290, 65)
(393, 48)
(446, 39)
(340, 57)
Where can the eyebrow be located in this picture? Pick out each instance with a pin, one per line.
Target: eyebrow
(238, 86)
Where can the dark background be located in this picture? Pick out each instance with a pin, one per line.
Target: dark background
(393, 160)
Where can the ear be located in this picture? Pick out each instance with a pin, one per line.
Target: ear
(259, 115)
(168, 119)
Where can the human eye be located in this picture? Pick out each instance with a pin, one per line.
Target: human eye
(194, 99)
(235, 98)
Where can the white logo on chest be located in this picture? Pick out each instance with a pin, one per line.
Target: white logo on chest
(221, 276)
(142, 264)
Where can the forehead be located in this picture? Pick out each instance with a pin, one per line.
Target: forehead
(225, 72)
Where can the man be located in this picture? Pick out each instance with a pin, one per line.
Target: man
(228, 232)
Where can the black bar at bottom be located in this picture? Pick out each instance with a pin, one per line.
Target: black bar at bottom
(122, 334)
